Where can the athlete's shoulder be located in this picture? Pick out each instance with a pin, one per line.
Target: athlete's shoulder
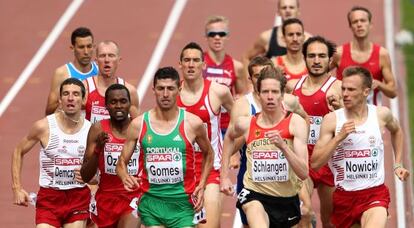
(265, 35)
(40, 126)
(384, 113)
(240, 107)
(61, 73)
(193, 121)
(218, 88)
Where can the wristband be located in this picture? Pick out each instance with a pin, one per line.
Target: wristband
(397, 165)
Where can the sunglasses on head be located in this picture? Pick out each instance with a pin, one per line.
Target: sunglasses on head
(214, 34)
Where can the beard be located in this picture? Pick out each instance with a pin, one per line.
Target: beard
(318, 73)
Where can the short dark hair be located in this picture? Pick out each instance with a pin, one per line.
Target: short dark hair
(272, 73)
(329, 44)
(80, 32)
(113, 87)
(259, 61)
(192, 45)
(167, 73)
(362, 72)
(361, 8)
(289, 22)
(73, 81)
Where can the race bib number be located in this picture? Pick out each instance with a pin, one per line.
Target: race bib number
(111, 155)
(164, 168)
(361, 164)
(315, 126)
(92, 205)
(64, 173)
(98, 113)
(269, 166)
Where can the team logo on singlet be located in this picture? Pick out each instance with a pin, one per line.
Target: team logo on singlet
(374, 152)
(149, 139)
(257, 133)
(81, 150)
(371, 140)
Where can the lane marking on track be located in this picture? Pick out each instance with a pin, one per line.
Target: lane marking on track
(40, 54)
(159, 50)
(389, 39)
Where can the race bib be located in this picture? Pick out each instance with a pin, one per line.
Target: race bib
(98, 113)
(269, 166)
(64, 173)
(164, 168)
(361, 164)
(111, 155)
(315, 126)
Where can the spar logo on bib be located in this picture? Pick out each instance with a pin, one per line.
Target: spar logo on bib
(177, 157)
(315, 120)
(374, 152)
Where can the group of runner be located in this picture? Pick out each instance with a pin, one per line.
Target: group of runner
(297, 124)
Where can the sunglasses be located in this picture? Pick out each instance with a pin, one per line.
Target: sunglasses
(214, 34)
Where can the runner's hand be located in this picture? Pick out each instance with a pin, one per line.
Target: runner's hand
(78, 176)
(275, 138)
(347, 128)
(198, 198)
(234, 161)
(334, 102)
(21, 197)
(226, 186)
(401, 173)
(131, 183)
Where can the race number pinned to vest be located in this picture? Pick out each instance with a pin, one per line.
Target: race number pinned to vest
(111, 155)
(269, 166)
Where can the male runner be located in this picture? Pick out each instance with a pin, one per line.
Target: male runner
(108, 58)
(249, 105)
(63, 198)
(105, 142)
(165, 135)
(81, 68)
(293, 63)
(221, 67)
(205, 99)
(270, 42)
(363, 52)
(319, 93)
(276, 157)
(351, 139)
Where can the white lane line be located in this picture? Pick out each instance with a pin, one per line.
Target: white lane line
(389, 39)
(40, 54)
(162, 44)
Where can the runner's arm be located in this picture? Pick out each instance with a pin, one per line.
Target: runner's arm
(53, 97)
(298, 157)
(242, 84)
(234, 131)
(387, 86)
(95, 142)
(130, 182)
(134, 110)
(25, 145)
(391, 123)
(328, 141)
(208, 158)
